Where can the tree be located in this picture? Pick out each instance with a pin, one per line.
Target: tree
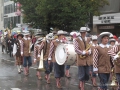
(63, 14)
(68, 14)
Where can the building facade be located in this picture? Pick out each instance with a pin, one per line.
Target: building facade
(109, 20)
(11, 14)
(1, 15)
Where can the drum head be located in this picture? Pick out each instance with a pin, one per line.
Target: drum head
(60, 54)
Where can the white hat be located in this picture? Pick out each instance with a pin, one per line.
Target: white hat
(49, 36)
(39, 40)
(83, 29)
(74, 33)
(103, 34)
(26, 33)
(111, 35)
(112, 40)
(88, 29)
(94, 37)
(61, 32)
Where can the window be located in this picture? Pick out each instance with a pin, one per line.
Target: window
(12, 8)
(8, 8)
(6, 0)
(18, 19)
(5, 10)
(5, 22)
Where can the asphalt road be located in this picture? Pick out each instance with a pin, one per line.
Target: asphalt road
(11, 80)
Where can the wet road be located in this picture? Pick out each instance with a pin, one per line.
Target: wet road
(11, 80)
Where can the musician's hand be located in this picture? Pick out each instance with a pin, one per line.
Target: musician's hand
(34, 61)
(87, 53)
(115, 57)
(96, 72)
(49, 62)
(21, 53)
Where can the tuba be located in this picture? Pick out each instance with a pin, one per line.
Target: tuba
(41, 65)
(88, 47)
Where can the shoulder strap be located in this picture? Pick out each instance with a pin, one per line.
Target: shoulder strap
(84, 42)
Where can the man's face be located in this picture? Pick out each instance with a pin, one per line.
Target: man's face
(19, 37)
(62, 36)
(26, 36)
(83, 33)
(112, 43)
(94, 41)
(105, 39)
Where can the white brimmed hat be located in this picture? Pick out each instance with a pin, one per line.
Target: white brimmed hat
(88, 29)
(74, 33)
(111, 35)
(49, 36)
(83, 29)
(39, 40)
(94, 37)
(61, 32)
(26, 33)
(112, 40)
(103, 34)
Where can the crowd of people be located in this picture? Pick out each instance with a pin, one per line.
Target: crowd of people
(95, 54)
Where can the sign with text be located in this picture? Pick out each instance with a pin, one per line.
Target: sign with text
(107, 19)
(106, 27)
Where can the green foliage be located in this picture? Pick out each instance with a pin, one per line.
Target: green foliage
(63, 14)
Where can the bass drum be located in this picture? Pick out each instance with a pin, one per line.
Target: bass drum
(65, 54)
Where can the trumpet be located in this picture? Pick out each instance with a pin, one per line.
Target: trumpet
(29, 47)
(88, 47)
(41, 65)
(113, 83)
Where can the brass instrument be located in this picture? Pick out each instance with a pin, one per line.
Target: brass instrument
(88, 47)
(41, 65)
(29, 47)
(113, 83)
(116, 61)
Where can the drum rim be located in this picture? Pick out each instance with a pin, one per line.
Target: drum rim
(56, 56)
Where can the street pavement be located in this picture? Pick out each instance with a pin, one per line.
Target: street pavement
(11, 80)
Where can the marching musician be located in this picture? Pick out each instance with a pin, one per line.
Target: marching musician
(101, 60)
(37, 57)
(17, 52)
(26, 52)
(80, 45)
(45, 45)
(112, 42)
(92, 74)
(67, 67)
(114, 53)
(58, 69)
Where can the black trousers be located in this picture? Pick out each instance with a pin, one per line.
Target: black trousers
(3, 47)
(58, 70)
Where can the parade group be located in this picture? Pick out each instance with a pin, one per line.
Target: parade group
(94, 55)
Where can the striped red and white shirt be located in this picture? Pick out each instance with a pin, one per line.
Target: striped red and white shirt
(113, 51)
(76, 46)
(51, 48)
(36, 48)
(95, 57)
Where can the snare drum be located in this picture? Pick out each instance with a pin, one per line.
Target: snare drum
(65, 54)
